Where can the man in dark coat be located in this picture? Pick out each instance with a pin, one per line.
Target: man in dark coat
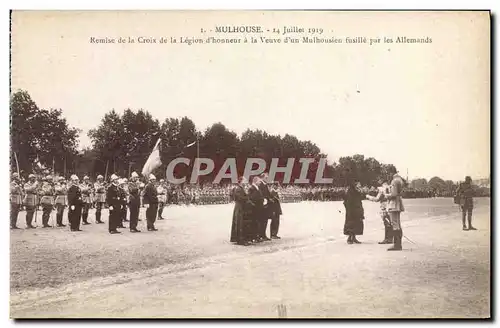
(256, 210)
(114, 203)
(354, 213)
(134, 201)
(276, 212)
(75, 203)
(151, 198)
(267, 205)
(240, 222)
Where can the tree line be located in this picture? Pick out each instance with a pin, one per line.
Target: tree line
(122, 142)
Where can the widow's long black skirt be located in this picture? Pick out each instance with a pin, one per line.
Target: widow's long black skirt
(353, 226)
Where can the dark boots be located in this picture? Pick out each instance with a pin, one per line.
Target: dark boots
(398, 236)
(388, 239)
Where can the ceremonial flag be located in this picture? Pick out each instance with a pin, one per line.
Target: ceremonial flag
(154, 160)
(38, 164)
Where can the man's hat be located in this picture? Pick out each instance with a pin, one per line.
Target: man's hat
(74, 177)
(100, 177)
(134, 175)
(31, 176)
(113, 177)
(85, 178)
(152, 177)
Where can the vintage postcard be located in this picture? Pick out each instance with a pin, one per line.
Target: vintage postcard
(250, 164)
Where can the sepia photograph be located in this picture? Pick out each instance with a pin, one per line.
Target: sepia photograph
(231, 164)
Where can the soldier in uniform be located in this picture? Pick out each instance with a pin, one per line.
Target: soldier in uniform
(100, 197)
(395, 207)
(123, 193)
(30, 200)
(86, 190)
(16, 192)
(162, 198)
(151, 199)
(61, 191)
(382, 191)
(134, 201)
(47, 200)
(114, 203)
(75, 203)
(465, 195)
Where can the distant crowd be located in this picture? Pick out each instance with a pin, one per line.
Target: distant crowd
(208, 194)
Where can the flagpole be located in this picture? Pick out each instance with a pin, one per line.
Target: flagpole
(17, 164)
(106, 174)
(53, 165)
(197, 156)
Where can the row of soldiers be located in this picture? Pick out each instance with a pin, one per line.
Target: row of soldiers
(254, 205)
(57, 194)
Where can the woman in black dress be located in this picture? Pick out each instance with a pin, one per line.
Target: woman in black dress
(354, 213)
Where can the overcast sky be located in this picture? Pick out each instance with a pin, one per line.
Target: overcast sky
(422, 107)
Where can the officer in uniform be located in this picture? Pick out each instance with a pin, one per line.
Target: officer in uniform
(47, 200)
(151, 199)
(114, 203)
(395, 207)
(134, 201)
(383, 190)
(465, 195)
(100, 197)
(75, 203)
(161, 198)
(61, 192)
(16, 192)
(30, 199)
(86, 190)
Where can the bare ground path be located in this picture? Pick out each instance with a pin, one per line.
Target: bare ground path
(189, 269)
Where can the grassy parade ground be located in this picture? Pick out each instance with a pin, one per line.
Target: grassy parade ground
(190, 269)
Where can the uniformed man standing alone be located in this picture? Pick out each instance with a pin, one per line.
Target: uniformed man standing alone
(100, 193)
(30, 200)
(15, 199)
(134, 201)
(75, 203)
(47, 200)
(465, 195)
(151, 199)
(114, 203)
